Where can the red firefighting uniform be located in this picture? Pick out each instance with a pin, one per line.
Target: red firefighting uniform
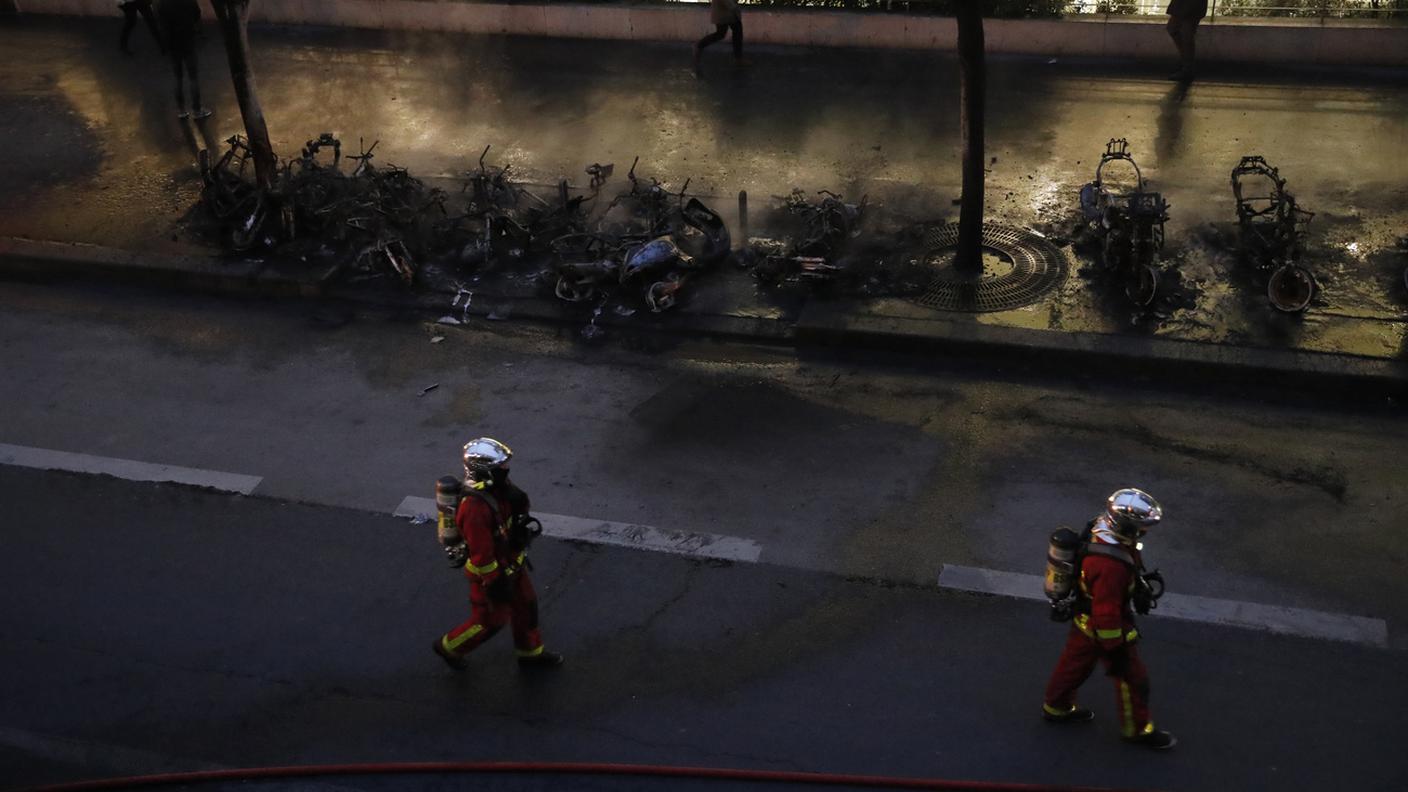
(492, 557)
(1103, 629)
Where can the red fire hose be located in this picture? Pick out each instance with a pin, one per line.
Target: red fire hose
(556, 768)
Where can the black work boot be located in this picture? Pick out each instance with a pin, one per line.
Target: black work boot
(451, 659)
(541, 660)
(1073, 715)
(1157, 739)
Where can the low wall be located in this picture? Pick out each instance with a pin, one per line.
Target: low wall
(1137, 39)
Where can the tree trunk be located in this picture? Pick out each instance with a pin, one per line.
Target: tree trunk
(234, 18)
(972, 64)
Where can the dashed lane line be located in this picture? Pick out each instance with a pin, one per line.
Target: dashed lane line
(640, 537)
(1275, 618)
(131, 470)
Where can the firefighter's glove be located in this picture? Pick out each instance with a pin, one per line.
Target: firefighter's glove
(457, 554)
(499, 590)
(1119, 661)
(1148, 587)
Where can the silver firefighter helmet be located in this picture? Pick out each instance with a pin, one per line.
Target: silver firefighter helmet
(482, 456)
(1133, 511)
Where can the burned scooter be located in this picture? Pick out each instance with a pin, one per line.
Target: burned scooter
(651, 240)
(822, 229)
(1271, 228)
(1130, 224)
(663, 265)
(590, 265)
(489, 231)
(586, 265)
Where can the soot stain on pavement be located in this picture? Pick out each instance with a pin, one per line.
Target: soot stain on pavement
(46, 141)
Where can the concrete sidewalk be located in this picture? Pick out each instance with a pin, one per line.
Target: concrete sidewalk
(101, 160)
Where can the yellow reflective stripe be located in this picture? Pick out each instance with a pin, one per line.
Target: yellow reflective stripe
(1127, 726)
(1082, 623)
(1106, 635)
(1132, 635)
(492, 566)
(459, 640)
(1050, 710)
(530, 652)
(517, 564)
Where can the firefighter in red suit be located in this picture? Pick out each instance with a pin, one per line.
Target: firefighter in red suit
(493, 545)
(1103, 628)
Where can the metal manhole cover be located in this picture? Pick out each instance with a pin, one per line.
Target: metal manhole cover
(1019, 268)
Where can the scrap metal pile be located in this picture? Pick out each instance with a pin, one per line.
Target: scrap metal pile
(1129, 224)
(648, 242)
(645, 245)
(1271, 226)
(816, 233)
(374, 220)
(824, 244)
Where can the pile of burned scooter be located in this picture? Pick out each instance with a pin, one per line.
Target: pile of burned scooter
(382, 222)
(645, 244)
(815, 235)
(1128, 220)
(640, 247)
(369, 218)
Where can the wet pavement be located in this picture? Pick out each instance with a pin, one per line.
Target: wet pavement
(101, 157)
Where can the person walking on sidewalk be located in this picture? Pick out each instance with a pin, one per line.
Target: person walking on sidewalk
(1183, 19)
(130, 10)
(490, 538)
(1110, 576)
(181, 19)
(725, 16)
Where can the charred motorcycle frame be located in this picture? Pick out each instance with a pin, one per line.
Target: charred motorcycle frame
(665, 240)
(1130, 224)
(1271, 227)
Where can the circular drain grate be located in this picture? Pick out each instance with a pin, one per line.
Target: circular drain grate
(1019, 268)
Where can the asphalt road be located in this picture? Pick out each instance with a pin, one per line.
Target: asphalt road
(885, 471)
(154, 627)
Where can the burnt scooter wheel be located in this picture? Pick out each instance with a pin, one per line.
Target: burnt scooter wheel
(1290, 288)
(1143, 285)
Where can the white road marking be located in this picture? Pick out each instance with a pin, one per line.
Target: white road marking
(641, 537)
(45, 459)
(1275, 618)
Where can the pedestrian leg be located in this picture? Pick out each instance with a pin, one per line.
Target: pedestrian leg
(1132, 693)
(144, 7)
(527, 639)
(129, 21)
(485, 620)
(177, 66)
(737, 27)
(717, 35)
(1077, 661)
(1190, 45)
(193, 69)
(1178, 30)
